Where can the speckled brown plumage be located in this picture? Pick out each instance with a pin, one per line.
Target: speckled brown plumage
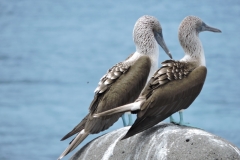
(111, 76)
(170, 70)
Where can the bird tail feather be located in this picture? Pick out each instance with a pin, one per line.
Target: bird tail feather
(126, 108)
(76, 141)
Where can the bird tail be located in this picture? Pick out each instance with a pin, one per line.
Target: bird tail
(75, 142)
(126, 108)
(76, 129)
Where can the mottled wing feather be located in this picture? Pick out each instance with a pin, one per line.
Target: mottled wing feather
(171, 70)
(164, 100)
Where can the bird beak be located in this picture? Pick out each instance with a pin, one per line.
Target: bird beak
(211, 29)
(159, 38)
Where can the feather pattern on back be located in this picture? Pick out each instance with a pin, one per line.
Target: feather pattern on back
(170, 70)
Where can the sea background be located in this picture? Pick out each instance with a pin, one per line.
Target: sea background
(53, 53)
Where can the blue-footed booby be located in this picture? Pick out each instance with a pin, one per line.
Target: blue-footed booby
(175, 85)
(122, 83)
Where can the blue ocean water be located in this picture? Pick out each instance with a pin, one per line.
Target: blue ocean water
(53, 53)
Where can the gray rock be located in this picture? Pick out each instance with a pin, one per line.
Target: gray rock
(162, 142)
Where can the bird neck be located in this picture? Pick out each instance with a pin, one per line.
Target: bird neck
(146, 45)
(145, 41)
(193, 49)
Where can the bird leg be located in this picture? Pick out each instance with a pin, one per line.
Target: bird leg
(130, 121)
(124, 120)
(181, 123)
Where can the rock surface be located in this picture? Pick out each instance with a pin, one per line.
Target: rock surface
(162, 142)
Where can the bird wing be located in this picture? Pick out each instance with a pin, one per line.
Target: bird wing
(125, 89)
(111, 93)
(167, 96)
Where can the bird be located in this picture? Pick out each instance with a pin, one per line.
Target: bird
(123, 82)
(174, 86)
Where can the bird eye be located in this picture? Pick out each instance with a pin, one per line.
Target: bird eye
(200, 25)
(203, 24)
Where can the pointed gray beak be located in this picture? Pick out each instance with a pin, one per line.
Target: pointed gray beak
(159, 38)
(208, 28)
